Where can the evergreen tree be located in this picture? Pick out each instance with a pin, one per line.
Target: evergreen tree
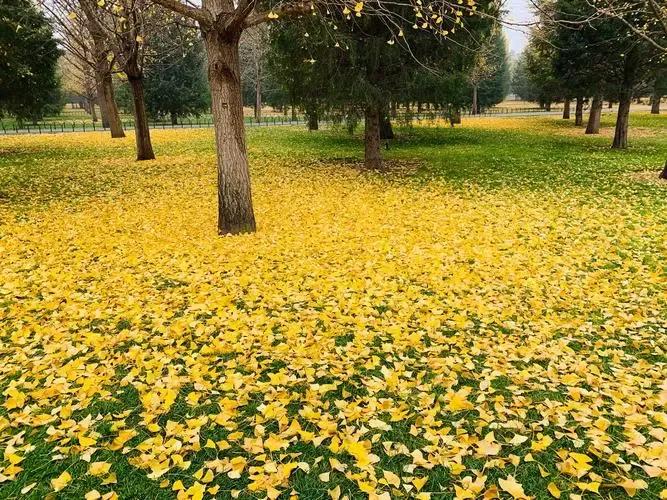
(29, 84)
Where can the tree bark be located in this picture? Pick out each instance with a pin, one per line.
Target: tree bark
(622, 118)
(566, 109)
(372, 154)
(593, 126)
(475, 104)
(235, 212)
(655, 103)
(110, 108)
(141, 131)
(579, 112)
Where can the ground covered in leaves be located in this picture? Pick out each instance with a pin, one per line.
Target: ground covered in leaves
(489, 324)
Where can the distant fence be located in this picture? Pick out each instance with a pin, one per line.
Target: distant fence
(53, 127)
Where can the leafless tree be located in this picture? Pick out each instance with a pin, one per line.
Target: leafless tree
(253, 48)
(89, 51)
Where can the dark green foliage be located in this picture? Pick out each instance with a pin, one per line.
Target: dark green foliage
(174, 76)
(29, 85)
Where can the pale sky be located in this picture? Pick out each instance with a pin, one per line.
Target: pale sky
(518, 11)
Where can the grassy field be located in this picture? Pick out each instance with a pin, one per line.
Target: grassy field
(487, 319)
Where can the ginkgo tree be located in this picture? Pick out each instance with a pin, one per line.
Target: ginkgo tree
(223, 21)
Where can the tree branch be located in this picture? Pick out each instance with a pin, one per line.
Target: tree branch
(292, 10)
(199, 15)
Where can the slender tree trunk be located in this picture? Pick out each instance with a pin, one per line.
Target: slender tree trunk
(663, 174)
(475, 105)
(109, 104)
(593, 126)
(235, 212)
(258, 91)
(622, 118)
(455, 117)
(610, 105)
(174, 118)
(372, 155)
(655, 103)
(579, 112)
(419, 107)
(141, 131)
(93, 111)
(566, 109)
(386, 130)
(547, 106)
(393, 110)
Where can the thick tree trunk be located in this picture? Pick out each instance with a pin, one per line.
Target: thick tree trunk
(547, 106)
(475, 104)
(655, 103)
(235, 212)
(593, 126)
(141, 131)
(103, 111)
(621, 132)
(110, 108)
(313, 121)
(566, 109)
(372, 154)
(579, 112)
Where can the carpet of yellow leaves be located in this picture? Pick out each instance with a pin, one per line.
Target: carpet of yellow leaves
(368, 321)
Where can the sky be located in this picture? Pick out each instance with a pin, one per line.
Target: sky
(518, 11)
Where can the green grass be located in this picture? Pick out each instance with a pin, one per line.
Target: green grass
(540, 154)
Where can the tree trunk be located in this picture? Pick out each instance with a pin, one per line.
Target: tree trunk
(174, 118)
(663, 174)
(93, 111)
(655, 103)
(593, 126)
(235, 212)
(621, 132)
(141, 131)
(372, 155)
(419, 107)
(103, 111)
(313, 121)
(455, 118)
(393, 109)
(547, 106)
(579, 112)
(111, 109)
(475, 105)
(386, 130)
(566, 109)
(258, 91)
(610, 105)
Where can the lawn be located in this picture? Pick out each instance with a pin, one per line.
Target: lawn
(486, 320)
